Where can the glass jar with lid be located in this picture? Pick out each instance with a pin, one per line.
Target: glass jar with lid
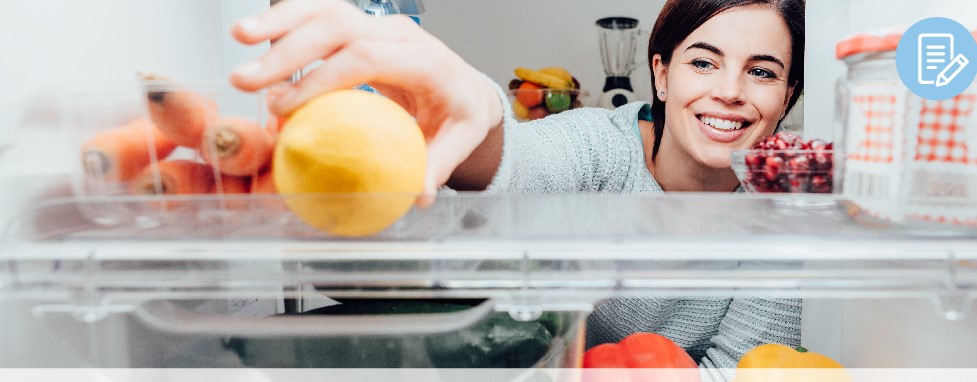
(900, 157)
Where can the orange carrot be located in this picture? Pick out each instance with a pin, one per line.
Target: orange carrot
(230, 184)
(233, 187)
(180, 113)
(237, 146)
(176, 177)
(120, 153)
(263, 183)
(265, 194)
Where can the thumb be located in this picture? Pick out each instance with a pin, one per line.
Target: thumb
(451, 146)
(437, 174)
(426, 198)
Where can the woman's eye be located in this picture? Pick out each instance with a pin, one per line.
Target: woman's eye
(762, 73)
(702, 65)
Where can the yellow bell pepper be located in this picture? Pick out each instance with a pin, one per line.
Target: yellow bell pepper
(781, 363)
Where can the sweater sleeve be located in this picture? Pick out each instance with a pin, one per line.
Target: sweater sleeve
(750, 322)
(580, 150)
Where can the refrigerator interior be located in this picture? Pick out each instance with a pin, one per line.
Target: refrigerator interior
(79, 293)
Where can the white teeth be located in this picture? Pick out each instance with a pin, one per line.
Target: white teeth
(722, 124)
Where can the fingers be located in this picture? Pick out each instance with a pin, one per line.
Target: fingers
(289, 54)
(283, 17)
(275, 92)
(442, 158)
(320, 37)
(302, 31)
(339, 71)
(381, 62)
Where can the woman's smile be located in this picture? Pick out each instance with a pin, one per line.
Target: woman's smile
(723, 127)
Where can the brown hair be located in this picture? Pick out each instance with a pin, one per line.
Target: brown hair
(679, 18)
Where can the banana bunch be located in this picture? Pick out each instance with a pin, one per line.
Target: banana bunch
(543, 92)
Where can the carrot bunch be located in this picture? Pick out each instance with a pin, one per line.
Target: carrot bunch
(235, 153)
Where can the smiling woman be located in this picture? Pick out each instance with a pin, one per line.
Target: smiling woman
(736, 69)
(725, 73)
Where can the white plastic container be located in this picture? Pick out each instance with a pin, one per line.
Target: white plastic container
(100, 174)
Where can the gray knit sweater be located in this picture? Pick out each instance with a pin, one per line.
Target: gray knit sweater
(598, 150)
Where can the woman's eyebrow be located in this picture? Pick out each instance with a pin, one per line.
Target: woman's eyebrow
(755, 57)
(767, 57)
(706, 46)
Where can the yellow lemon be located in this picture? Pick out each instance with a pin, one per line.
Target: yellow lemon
(350, 162)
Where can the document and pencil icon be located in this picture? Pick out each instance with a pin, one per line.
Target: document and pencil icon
(937, 64)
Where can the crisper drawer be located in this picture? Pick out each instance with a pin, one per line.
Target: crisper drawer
(357, 333)
(165, 288)
(861, 333)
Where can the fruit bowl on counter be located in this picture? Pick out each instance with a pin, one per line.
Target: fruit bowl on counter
(535, 94)
(533, 104)
(784, 163)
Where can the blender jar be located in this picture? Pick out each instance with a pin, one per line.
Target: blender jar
(900, 157)
(618, 37)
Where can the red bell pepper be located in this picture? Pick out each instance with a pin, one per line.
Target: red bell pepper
(642, 351)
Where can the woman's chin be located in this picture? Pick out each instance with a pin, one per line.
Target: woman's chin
(716, 160)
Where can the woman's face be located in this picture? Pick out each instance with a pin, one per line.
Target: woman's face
(726, 86)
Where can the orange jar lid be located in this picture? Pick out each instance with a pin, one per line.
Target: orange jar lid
(875, 41)
(880, 40)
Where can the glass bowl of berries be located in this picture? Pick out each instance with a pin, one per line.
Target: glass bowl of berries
(785, 163)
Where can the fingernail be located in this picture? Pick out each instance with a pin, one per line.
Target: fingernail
(249, 24)
(248, 69)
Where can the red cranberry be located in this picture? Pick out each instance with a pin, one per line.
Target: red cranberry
(790, 172)
(820, 184)
(822, 160)
(753, 161)
(817, 144)
(799, 163)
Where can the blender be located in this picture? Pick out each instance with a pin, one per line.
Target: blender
(618, 44)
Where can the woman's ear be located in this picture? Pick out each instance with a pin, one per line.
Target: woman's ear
(661, 82)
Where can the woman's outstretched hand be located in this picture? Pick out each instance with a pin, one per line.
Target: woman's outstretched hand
(454, 104)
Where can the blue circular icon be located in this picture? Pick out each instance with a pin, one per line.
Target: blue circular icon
(937, 58)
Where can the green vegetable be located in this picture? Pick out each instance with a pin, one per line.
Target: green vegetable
(497, 341)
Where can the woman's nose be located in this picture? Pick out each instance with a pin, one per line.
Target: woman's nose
(729, 89)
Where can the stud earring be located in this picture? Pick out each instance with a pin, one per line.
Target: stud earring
(661, 95)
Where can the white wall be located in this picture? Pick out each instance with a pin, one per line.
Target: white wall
(907, 333)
